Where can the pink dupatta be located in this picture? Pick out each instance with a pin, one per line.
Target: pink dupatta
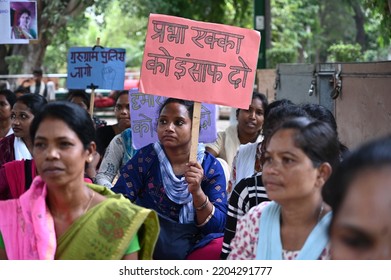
(27, 226)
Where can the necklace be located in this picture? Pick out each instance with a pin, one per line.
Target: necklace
(89, 202)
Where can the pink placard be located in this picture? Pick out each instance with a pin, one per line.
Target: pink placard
(199, 61)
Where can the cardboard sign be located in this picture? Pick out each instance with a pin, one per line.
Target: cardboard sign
(96, 67)
(199, 61)
(144, 112)
(18, 22)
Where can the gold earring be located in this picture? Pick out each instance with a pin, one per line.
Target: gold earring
(89, 160)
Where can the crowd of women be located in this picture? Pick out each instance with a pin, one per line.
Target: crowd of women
(74, 188)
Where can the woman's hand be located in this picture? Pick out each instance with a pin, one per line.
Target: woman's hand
(201, 203)
(193, 176)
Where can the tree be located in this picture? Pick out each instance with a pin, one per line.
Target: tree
(310, 27)
(124, 23)
(295, 25)
(232, 12)
(382, 10)
(345, 53)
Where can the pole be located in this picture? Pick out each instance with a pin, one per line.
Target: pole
(195, 130)
(92, 96)
(260, 23)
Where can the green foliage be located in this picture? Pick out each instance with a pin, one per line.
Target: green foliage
(295, 25)
(232, 12)
(376, 55)
(311, 26)
(104, 20)
(275, 56)
(239, 13)
(124, 31)
(206, 10)
(381, 10)
(14, 63)
(55, 58)
(345, 53)
(57, 14)
(123, 24)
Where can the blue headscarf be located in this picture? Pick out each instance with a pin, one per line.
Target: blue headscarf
(129, 150)
(177, 188)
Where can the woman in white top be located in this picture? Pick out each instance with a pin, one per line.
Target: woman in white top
(247, 130)
(117, 154)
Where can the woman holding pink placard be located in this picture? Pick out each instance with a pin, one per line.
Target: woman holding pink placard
(189, 196)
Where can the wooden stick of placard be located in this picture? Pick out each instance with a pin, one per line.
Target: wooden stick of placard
(92, 101)
(195, 131)
(92, 96)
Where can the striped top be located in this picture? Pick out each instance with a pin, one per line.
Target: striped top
(247, 193)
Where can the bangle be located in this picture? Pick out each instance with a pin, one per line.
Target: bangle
(203, 204)
(208, 218)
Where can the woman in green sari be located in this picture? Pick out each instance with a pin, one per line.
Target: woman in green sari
(62, 217)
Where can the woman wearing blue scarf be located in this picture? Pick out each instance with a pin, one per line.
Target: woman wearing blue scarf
(189, 196)
(299, 158)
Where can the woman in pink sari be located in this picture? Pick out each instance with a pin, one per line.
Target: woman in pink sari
(62, 217)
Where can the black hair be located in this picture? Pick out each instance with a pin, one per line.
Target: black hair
(22, 89)
(38, 71)
(260, 96)
(373, 154)
(24, 11)
(120, 93)
(315, 138)
(188, 104)
(279, 114)
(9, 95)
(79, 93)
(275, 117)
(73, 115)
(321, 113)
(276, 103)
(34, 102)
